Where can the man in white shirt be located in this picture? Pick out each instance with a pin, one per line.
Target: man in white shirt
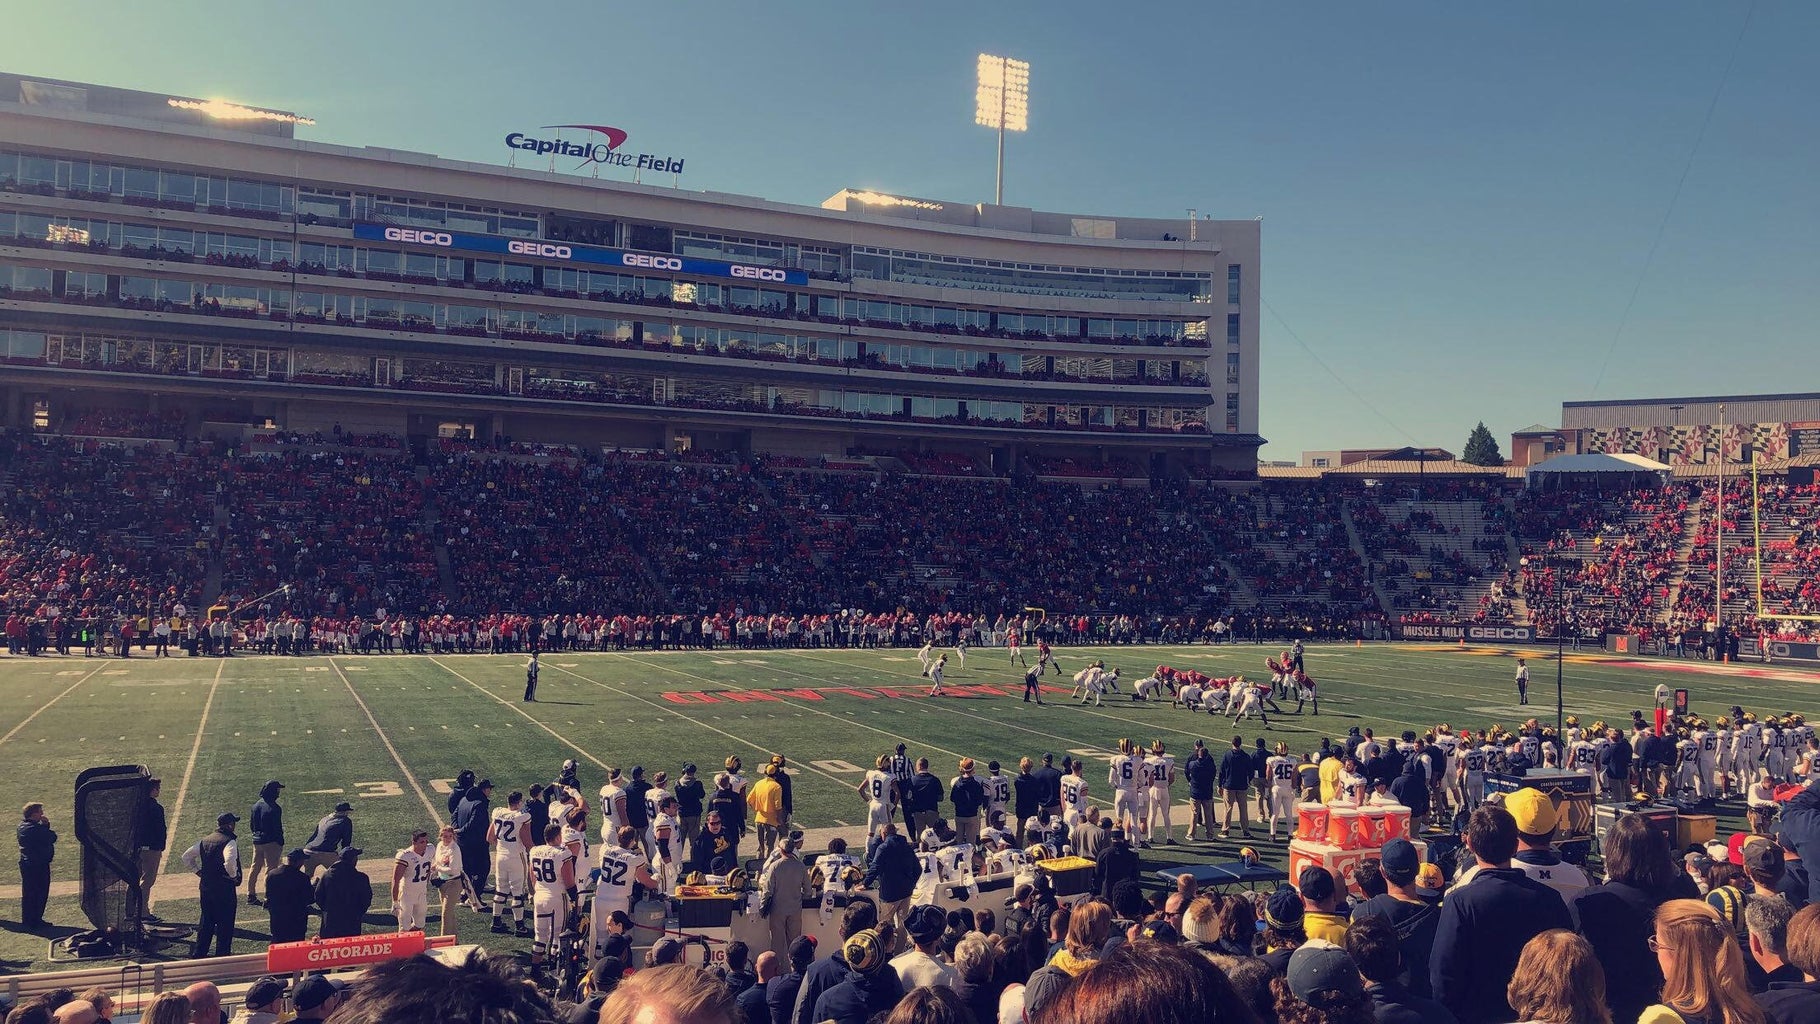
(1161, 769)
(1536, 821)
(920, 966)
(552, 872)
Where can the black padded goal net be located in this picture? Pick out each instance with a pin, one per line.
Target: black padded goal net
(108, 804)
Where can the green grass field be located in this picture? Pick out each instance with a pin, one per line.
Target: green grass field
(389, 733)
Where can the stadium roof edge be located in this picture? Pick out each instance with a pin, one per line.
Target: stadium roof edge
(1700, 400)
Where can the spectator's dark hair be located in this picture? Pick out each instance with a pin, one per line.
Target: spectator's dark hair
(1372, 944)
(421, 989)
(1368, 878)
(1128, 900)
(1291, 1010)
(931, 1004)
(36, 1013)
(1636, 853)
(1153, 982)
(1491, 834)
(1058, 921)
(55, 998)
(737, 952)
(1250, 977)
(1238, 922)
(1723, 873)
(859, 916)
(985, 922)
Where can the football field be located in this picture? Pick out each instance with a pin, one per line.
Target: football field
(389, 733)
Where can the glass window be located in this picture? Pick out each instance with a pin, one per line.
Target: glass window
(1232, 328)
(1232, 284)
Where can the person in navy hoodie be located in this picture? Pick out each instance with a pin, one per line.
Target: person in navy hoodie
(1485, 923)
(1373, 945)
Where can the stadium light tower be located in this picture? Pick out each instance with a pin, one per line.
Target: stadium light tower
(1002, 101)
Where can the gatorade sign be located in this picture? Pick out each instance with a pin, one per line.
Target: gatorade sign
(336, 954)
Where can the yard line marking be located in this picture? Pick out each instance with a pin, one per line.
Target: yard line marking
(383, 738)
(183, 788)
(53, 700)
(560, 738)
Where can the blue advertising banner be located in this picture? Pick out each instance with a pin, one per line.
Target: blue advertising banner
(588, 255)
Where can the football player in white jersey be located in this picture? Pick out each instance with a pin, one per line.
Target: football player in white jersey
(1706, 759)
(1775, 749)
(612, 806)
(552, 878)
(1722, 757)
(1161, 767)
(411, 871)
(926, 655)
(1080, 680)
(1074, 796)
(665, 840)
(1687, 764)
(656, 795)
(622, 863)
(510, 836)
(1246, 698)
(1124, 777)
(879, 790)
(575, 836)
(936, 671)
(1282, 771)
(1473, 760)
(998, 792)
(1148, 688)
(1190, 696)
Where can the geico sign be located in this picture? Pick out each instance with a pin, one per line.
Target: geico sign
(1498, 632)
(419, 237)
(757, 273)
(544, 249)
(639, 259)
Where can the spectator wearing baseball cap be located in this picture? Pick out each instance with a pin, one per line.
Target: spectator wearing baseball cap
(344, 893)
(1484, 925)
(334, 833)
(1322, 976)
(1283, 932)
(317, 996)
(1322, 918)
(264, 1002)
(919, 965)
(1537, 818)
(1411, 911)
(871, 985)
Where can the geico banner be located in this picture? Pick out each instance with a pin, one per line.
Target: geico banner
(1490, 631)
(1780, 650)
(587, 255)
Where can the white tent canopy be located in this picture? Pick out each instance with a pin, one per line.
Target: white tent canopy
(1592, 465)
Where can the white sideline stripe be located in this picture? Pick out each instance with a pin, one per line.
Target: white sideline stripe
(383, 738)
(47, 704)
(183, 788)
(560, 738)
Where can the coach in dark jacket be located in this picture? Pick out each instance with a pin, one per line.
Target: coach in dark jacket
(1614, 765)
(1049, 786)
(344, 893)
(1411, 789)
(288, 899)
(926, 795)
(1027, 798)
(894, 870)
(37, 847)
(714, 844)
(472, 817)
(1485, 923)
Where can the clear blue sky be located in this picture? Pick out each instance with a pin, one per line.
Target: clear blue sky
(1457, 198)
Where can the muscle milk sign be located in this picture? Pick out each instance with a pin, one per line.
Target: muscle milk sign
(602, 147)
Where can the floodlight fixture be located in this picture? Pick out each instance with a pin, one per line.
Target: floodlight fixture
(1002, 102)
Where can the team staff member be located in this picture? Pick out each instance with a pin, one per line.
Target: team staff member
(344, 893)
(334, 833)
(690, 796)
(411, 872)
(37, 847)
(288, 898)
(216, 862)
(266, 830)
(150, 837)
(472, 818)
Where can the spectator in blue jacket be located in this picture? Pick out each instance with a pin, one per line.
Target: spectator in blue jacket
(267, 835)
(1373, 945)
(1485, 924)
(861, 915)
(1203, 774)
(1236, 770)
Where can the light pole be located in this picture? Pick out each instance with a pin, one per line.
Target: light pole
(1002, 101)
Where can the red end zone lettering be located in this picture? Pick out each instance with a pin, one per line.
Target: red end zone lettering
(749, 696)
(799, 694)
(691, 698)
